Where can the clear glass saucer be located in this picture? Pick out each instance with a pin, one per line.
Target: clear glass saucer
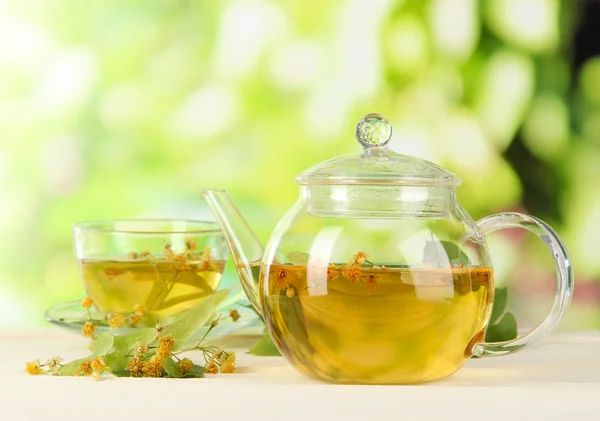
(71, 316)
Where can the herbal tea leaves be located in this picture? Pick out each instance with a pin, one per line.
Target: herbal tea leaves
(291, 311)
(148, 352)
(71, 368)
(196, 372)
(439, 251)
(192, 320)
(503, 325)
(102, 344)
(504, 330)
(117, 362)
(264, 347)
(297, 258)
(171, 368)
(124, 344)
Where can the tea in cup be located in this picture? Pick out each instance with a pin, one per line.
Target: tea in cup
(163, 266)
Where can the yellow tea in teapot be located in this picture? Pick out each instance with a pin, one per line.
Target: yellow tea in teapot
(163, 286)
(376, 324)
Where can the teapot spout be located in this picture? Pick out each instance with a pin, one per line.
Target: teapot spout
(246, 249)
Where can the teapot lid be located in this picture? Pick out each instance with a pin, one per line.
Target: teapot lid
(377, 165)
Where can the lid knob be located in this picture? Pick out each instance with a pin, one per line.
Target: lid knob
(373, 130)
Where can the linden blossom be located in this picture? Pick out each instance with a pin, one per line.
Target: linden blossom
(148, 352)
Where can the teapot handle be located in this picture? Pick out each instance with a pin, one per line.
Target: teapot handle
(564, 281)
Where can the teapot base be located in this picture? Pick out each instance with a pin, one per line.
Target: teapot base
(409, 326)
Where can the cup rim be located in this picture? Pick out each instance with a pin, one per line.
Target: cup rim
(103, 225)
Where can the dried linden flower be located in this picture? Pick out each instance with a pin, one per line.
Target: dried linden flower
(134, 319)
(281, 275)
(234, 314)
(351, 272)
(205, 258)
(88, 329)
(360, 258)
(86, 367)
(53, 364)
(219, 355)
(159, 327)
(372, 280)
(153, 367)
(211, 368)
(87, 302)
(116, 320)
(139, 310)
(168, 250)
(165, 346)
(185, 365)
(33, 367)
(141, 348)
(132, 255)
(227, 367)
(332, 272)
(191, 244)
(136, 366)
(98, 364)
(290, 292)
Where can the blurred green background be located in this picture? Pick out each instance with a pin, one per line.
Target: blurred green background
(114, 109)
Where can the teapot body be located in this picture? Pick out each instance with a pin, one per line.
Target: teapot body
(377, 275)
(352, 294)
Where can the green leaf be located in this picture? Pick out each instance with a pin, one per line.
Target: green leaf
(220, 296)
(232, 297)
(116, 361)
(102, 344)
(149, 320)
(181, 299)
(503, 330)
(297, 259)
(264, 347)
(171, 367)
(500, 300)
(125, 343)
(433, 253)
(291, 311)
(196, 372)
(190, 321)
(121, 373)
(72, 367)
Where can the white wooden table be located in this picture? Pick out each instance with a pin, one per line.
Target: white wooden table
(559, 379)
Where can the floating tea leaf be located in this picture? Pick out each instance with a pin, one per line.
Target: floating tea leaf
(298, 259)
(434, 249)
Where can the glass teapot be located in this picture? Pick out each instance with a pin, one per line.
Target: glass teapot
(377, 275)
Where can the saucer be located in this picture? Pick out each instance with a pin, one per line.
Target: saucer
(71, 316)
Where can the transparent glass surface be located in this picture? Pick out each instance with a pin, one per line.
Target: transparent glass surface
(377, 164)
(377, 275)
(363, 299)
(166, 266)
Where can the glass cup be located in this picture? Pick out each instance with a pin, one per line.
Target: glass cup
(157, 266)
